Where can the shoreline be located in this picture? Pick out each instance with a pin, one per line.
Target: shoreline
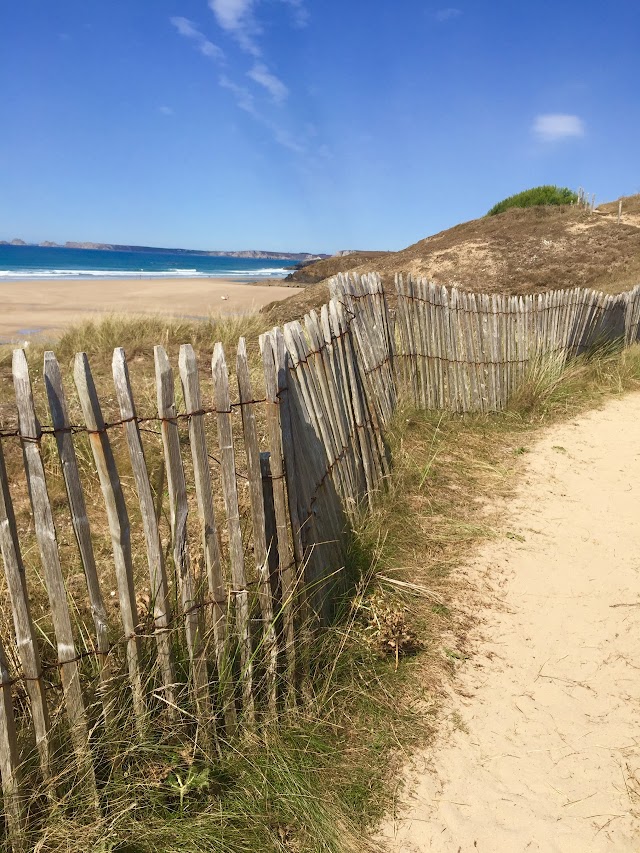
(31, 310)
(152, 277)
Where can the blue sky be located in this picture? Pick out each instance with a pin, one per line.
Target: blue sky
(305, 124)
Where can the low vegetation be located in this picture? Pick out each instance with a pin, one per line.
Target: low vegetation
(319, 782)
(536, 197)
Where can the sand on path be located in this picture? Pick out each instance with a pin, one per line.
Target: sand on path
(540, 749)
(32, 306)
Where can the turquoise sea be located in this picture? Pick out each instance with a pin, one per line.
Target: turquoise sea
(18, 262)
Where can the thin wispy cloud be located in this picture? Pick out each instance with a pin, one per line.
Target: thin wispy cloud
(243, 97)
(166, 111)
(261, 75)
(447, 14)
(552, 127)
(236, 18)
(189, 30)
(246, 101)
(286, 139)
(300, 12)
(231, 14)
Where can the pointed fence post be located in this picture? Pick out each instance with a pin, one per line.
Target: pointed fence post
(213, 560)
(155, 557)
(222, 401)
(119, 527)
(25, 632)
(9, 763)
(252, 449)
(191, 599)
(79, 518)
(286, 565)
(31, 435)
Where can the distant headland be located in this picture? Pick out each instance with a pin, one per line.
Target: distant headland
(217, 253)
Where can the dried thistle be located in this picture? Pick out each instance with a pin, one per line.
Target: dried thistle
(387, 629)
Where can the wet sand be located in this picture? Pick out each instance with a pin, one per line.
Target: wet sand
(38, 307)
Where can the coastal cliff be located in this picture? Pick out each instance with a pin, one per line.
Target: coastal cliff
(258, 254)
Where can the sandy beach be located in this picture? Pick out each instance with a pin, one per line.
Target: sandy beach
(36, 307)
(539, 748)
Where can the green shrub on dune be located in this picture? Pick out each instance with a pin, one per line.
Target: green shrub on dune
(547, 194)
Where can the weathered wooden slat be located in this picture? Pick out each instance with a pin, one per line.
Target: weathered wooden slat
(159, 586)
(357, 339)
(286, 566)
(506, 341)
(407, 306)
(271, 537)
(300, 479)
(77, 505)
(477, 337)
(426, 322)
(496, 361)
(25, 633)
(12, 797)
(179, 509)
(188, 366)
(366, 330)
(320, 453)
(119, 527)
(321, 325)
(252, 449)
(341, 330)
(341, 397)
(457, 359)
(320, 510)
(421, 308)
(334, 331)
(400, 333)
(465, 330)
(31, 435)
(222, 400)
(444, 398)
(308, 371)
(484, 352)
(369, 336)
(325, 384)
(400, 363)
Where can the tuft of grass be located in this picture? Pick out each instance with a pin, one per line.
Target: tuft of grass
(137, 335)
(553, 388)
(314, 784)
(543, 195)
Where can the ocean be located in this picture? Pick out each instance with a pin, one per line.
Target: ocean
(18, 262)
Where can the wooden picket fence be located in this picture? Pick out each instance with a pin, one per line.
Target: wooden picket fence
(260, 484)
(468, 352)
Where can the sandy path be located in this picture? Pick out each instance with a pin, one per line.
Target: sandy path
(542, 744)
(30, 306)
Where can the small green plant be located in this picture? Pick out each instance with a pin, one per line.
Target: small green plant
(515, 536)
(536, 197)
(193, 780)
